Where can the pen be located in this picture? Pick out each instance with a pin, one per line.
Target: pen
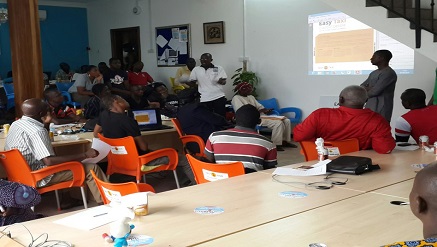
(99, 214)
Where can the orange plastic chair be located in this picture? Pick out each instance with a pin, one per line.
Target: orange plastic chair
(18, 170)
(208, 172)
(189, 138)
(124, 159)
(344, 146)
(121, 189)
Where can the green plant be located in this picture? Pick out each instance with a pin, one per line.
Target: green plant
(245, 76)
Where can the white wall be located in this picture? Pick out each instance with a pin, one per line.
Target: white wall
(277, 44)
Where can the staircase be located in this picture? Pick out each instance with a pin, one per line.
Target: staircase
(422, 18)
(397, 28)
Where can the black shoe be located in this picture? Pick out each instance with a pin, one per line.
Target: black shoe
(289, 145)
(279, 148)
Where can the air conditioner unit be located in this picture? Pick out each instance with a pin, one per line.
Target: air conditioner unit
(42, 15)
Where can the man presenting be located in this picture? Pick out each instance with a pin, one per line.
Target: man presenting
(210, 79)
(350, 120)
(380, 85)
(29, 135)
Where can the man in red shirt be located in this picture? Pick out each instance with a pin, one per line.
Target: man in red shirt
(350, 120)
(420, 120)
(136, 77)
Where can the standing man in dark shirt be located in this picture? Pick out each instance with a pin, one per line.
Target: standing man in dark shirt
(380, 85)
(116, 78)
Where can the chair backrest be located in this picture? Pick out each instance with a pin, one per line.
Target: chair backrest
(172, 81)
(123, 157)
(344, 146)
(270, 104)
(9, 88)
(64, 86)
(111, 191)
(16, 167)
(178, 126)
(208, 172)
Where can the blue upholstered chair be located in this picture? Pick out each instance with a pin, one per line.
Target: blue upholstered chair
(63, 88)
(292, 113)
(8, 86)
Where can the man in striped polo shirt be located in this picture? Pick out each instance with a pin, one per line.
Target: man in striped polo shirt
(242, 143)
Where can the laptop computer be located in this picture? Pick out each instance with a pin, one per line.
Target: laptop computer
(149, 119)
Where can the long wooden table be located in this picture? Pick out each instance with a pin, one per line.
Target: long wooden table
(365, 220)
(255, 214)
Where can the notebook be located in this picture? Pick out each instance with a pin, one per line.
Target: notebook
(149, 119)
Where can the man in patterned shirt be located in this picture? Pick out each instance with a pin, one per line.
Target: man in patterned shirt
(423, 204)
(242, 143)
(29, 135)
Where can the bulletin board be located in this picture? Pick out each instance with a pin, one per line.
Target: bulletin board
(173, 45)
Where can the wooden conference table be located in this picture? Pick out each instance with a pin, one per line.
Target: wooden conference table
(255, 214)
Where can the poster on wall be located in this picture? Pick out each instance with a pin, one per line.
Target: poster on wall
(173, 45)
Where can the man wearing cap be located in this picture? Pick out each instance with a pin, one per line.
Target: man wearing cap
(210, 79)
(281, 127)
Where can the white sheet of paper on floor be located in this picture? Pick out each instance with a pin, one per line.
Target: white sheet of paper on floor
(214, 176)
(118, 150)
(102, 147)
(90, 218)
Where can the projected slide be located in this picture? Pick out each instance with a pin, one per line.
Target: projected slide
(342, 45)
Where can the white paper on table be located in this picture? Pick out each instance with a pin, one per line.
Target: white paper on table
(62, 125)
(182, 48)
(318, 169)
(135, 199)
(102, 147)
(161, 41)
(173, 44)
(90, 218)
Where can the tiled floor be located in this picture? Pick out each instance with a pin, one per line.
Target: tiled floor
(161, 181)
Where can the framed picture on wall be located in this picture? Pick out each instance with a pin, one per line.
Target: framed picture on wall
(214, 32)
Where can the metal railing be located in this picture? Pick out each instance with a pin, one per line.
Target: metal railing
(401, 9)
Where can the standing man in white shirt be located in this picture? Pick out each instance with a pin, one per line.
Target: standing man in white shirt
(210, 79)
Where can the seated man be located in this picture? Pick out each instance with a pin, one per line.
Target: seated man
(114, 122)
(17, 200)
(350, 120)
(30, 136)
(182, 77)
(94, 105)
(169, 102)
(281, 128)
(242, 143)
(197, 119)
(420, 120)
(423, 204)
(61, 114)
(138, 100)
